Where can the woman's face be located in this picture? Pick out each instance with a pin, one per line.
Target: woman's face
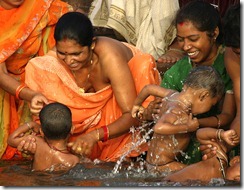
(10, 4)
(198, 45)
(73, 54)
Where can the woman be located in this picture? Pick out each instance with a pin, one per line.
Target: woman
(26, 30)
(98, 79)
(199, 34)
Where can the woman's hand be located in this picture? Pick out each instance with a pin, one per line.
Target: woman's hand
(153, 110)
(168, 59)
(37, 103)
(27, 146)
(208, 151)
(84, 144)
(192, 123)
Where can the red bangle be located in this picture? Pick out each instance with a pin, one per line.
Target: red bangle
(106, 133)
(19, 89)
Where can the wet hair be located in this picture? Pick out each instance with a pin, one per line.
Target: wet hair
(74, 26)
(206, 77)
(56, 121)
(231, 26)
(204, 16)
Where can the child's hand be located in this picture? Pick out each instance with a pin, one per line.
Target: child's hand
(137, 111)
(230, 137)
(192, 123)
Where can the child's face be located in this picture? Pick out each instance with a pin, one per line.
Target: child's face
(203, 104)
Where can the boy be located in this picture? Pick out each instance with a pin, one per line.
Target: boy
(51, 151)
(202, 89)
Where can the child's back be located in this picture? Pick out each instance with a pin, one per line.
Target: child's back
(49, 157)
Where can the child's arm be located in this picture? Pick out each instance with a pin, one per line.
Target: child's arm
(148, 90)
(19, 134)
(205, 136)
(166, 126)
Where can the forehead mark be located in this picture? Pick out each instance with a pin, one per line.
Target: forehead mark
(181, 23)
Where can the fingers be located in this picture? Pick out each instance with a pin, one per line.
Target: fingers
(28, 145)
(167, 59)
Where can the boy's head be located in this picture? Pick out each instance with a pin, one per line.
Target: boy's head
(56, 121)
(208, 87)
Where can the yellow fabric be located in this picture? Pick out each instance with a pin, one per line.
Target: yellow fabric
(21, 35)
(90, 110)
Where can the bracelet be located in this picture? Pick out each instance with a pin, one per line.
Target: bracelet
(28, 125)
(98, 134)
(19, 89)
(106, 133)
(218, 134)
(174, 49)
(218, 121)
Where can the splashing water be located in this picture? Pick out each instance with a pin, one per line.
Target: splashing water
(137, 141)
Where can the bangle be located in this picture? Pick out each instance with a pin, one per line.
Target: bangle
(106, 133)
(218, 134)
(28, 125)
(177, 50)
(98, 134)
(218, 121)
(19, 89)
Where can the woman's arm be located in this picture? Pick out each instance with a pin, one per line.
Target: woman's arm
(11, 85)
(224, 118)
(232, 64)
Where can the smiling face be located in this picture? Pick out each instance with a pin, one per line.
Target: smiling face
(201, 48)
(73, 54)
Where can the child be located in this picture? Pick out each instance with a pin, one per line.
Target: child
(51, 151)
(215, 167)
(202, 89)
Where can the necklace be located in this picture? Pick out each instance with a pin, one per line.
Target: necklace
(82, 89)
(65, 150)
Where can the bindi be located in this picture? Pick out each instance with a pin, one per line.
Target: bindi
(181, 23)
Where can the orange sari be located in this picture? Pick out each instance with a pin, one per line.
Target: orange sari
(90, 110)
(25, 32)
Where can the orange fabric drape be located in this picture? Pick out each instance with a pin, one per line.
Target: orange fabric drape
(25, 32)
(90, 110)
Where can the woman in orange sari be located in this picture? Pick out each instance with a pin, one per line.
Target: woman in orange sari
(26, 30)
(98, 78)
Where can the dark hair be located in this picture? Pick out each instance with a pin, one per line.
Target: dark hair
(206, 77)
(203, 16)
(231, 26)
(56, 121)
(75, 26)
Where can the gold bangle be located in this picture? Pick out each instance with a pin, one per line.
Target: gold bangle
(28, 125)
(218, 121)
